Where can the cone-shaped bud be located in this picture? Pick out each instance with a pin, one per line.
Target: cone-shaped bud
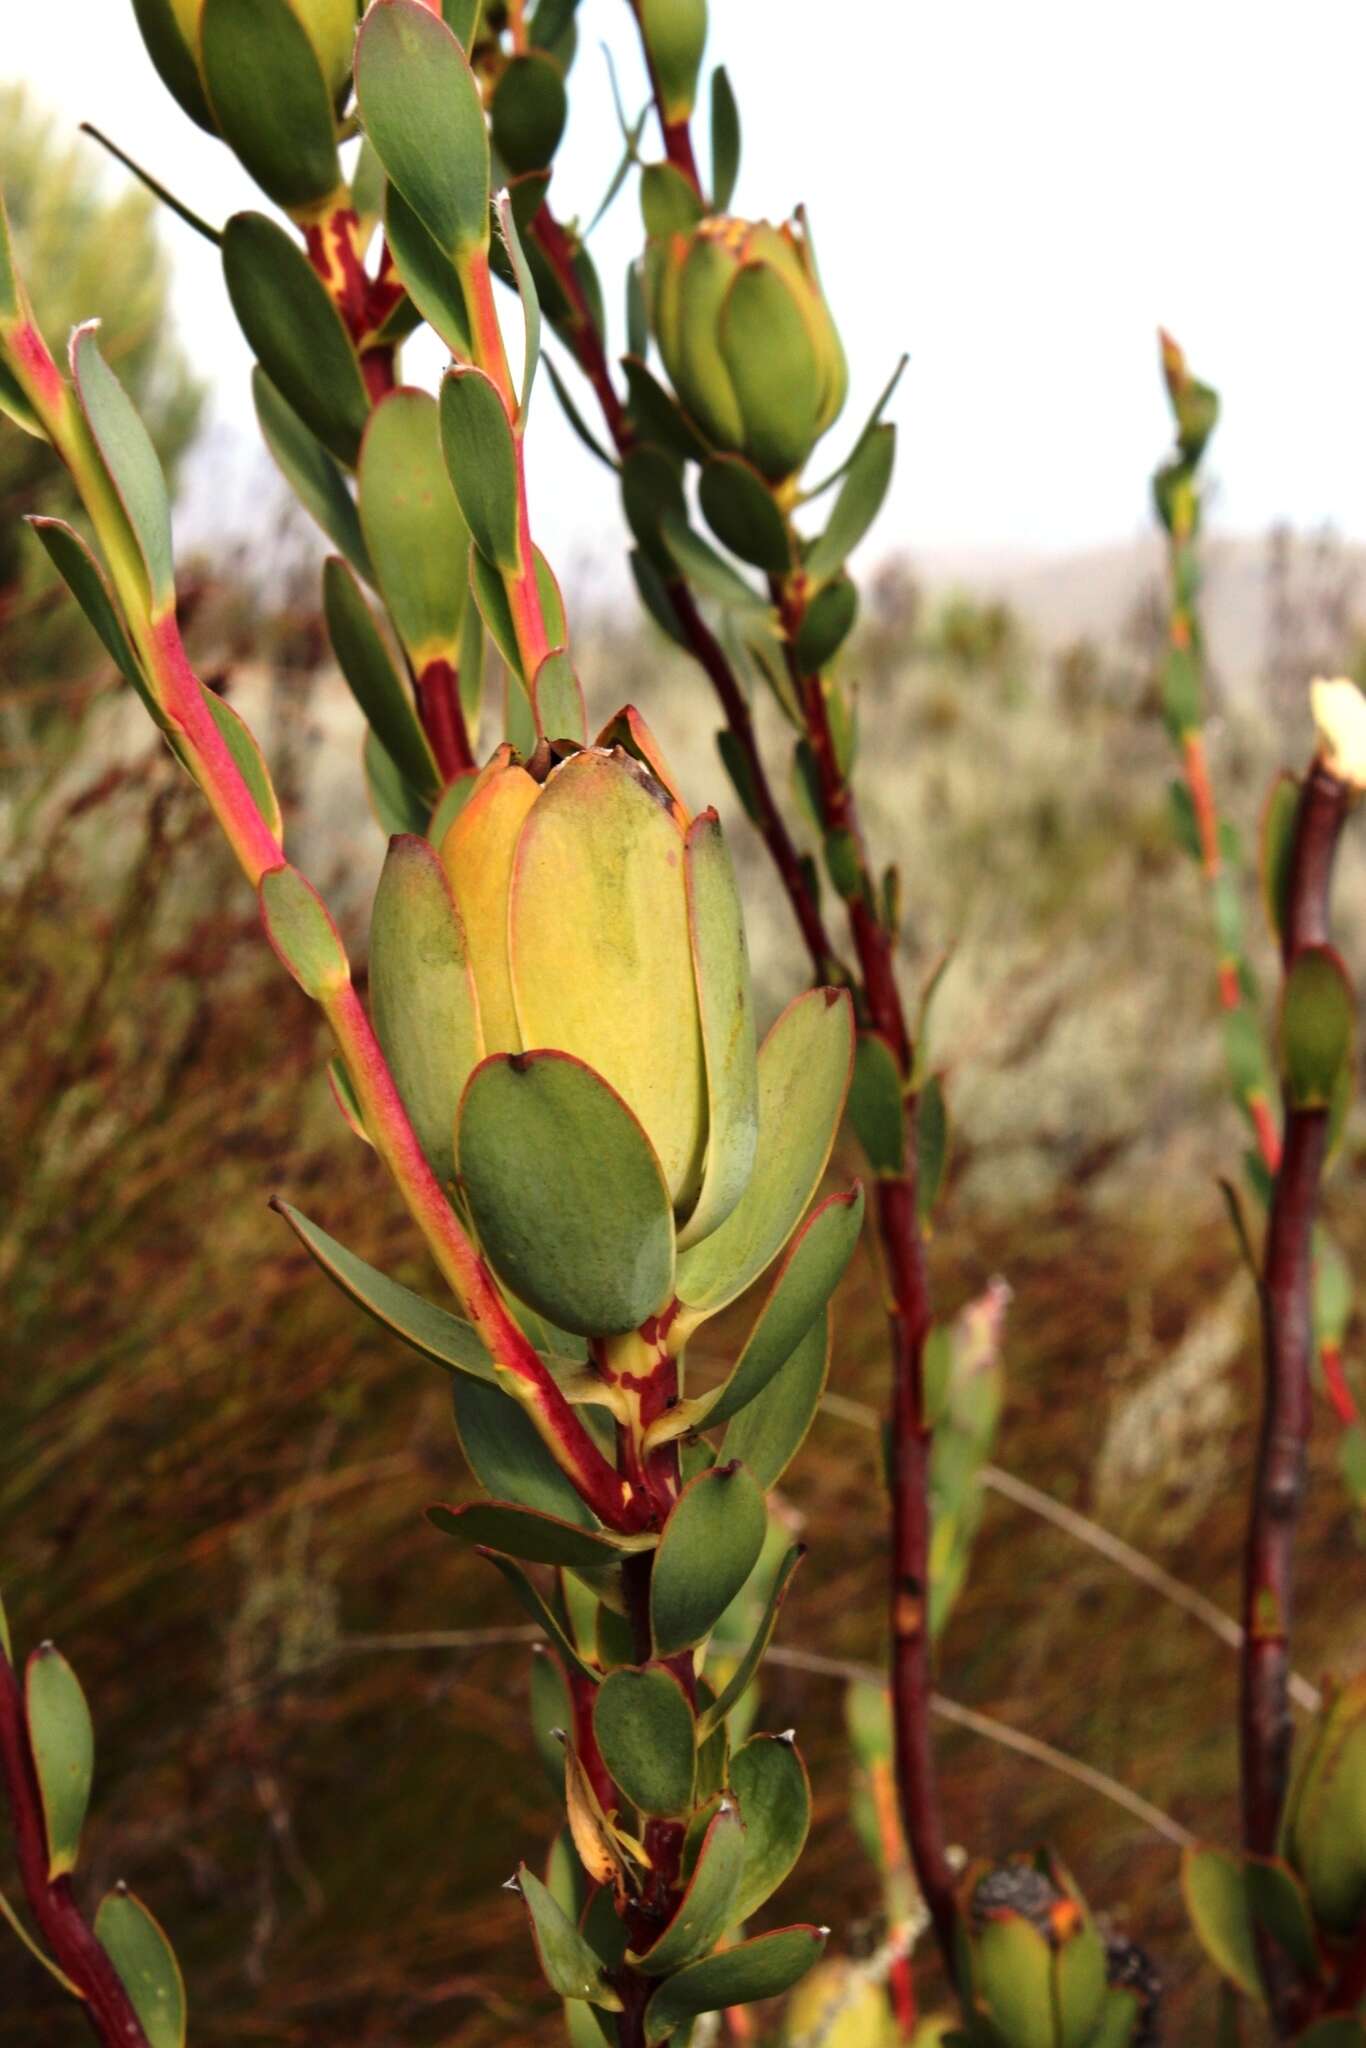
(1325, 1821)
(587, 897)
(1033, 1960)
(747, 338)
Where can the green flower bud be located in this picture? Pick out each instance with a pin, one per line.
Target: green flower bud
(1324, 1832)
(747, 338)
(173, 31)
(1034, 1963)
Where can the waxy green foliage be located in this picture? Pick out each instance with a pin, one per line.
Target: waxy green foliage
(62, 1739)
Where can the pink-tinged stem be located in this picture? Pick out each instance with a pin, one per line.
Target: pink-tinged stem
(70, 1940)
(37, 365)
(613, 1500)
(182, 698)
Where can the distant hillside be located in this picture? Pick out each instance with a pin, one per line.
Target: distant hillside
(1276, 607)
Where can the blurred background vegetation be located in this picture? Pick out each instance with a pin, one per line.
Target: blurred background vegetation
(213, 1470)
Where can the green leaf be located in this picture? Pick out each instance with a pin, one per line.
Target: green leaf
(424, 114)
(137, 1946)
(422, 995)
(300, 928)
(826, 625)
(15, 406)
(804, 1069)
(711, 572)
(1215, 1892)
(174, 58)
(752, 1970)
(540, 1539)
(1278, 1901)
(658, 417)
(130, 460)
(543, 1614)
(433, 1331)
(576, 418)
(414, 530)
(526, 293)
(480, 448)
(557, 695)
(932, 1146)
(707, 1907)
(295, 331)
(85, 579)
(374, 682)
(1318, 1026)
(740, 1680)
(646, 1732)
(808, 1277)
(567, 1962)
(716, 926)
(249, 760)
(858, 504)
(566, 1192)
(743, 513)
(507, 1455)
(1079, 1986)
(876, 1105)
(63, 1741)
(725, 141)
(769, 1779)
(675, 34)
(311, 473)
(710, 1545)
(272, 102)
(1339, 2032)
(771, 1430)
(528, 111)
(429, 275)
(396, 804)
(462, 18)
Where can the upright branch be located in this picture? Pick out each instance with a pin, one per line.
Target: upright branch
(1317, 1054)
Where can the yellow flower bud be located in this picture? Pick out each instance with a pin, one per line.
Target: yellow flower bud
(1339, 710)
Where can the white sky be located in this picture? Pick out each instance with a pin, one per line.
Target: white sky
(1016, 194)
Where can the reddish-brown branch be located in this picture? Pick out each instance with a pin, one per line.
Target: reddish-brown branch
(1287, 1342)
(1348, 1988)
(69, 1938)
(555, 246)
(443, 719)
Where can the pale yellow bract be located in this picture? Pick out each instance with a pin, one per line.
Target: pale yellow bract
(1339, 710)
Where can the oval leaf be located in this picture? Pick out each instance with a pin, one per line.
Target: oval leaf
(740, 1680)
(131, 462)
(63, 1740)
(710, 1545)
(858, 504)
(743, 513)
(424, 114)
(295, 331)
(425, 1010)
(372, 679)
(566, 1192)
(507, 1455)
(429, 275)
(568, 1963)
(769, 1779)
(707, 1907)
(528, 112)
(1216, 1899)
(414, 530)
(804, 1069)
(752, 1970)
(300, 928)
(1318, 1021)
(137, 1946)
(271, 100)
(771, 1430)
(648, 1738)
(481, 458)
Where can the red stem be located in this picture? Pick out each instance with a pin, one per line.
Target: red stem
(1287, 1341)
(71, 1941)
(443, 719)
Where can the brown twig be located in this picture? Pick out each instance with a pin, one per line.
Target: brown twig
(72, 1942)
(1287, 1341)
